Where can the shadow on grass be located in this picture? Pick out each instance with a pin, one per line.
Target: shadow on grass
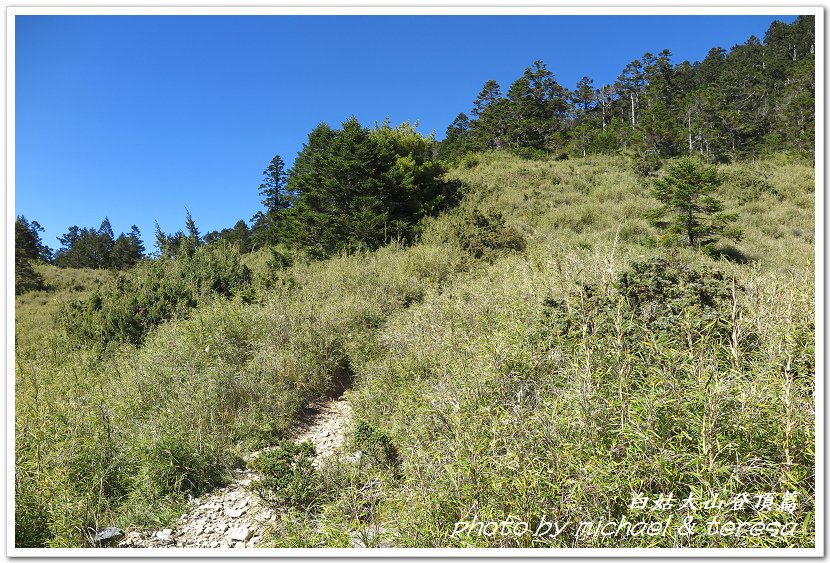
(730, 254)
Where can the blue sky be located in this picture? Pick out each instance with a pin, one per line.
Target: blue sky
(139, 117)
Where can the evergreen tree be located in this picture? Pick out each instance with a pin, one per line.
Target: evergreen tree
(128, 250)
(709, 70)
(584, 96)
(341, 205)
(537, 106)
(690, 211)
(458, 138)
(193, 239)
(488, 97)
(630, 85)
(162, 241)
(276, 200)
(27, 240)
(28, 249)
(604, 97)
(273, 186)
(359, 188)
(490, 111)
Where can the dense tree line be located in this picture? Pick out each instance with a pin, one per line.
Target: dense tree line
(757, 97)
(80, 248)
(99, 248)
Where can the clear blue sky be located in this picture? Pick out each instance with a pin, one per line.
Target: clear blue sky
(138, 117)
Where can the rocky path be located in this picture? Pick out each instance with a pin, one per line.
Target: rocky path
(233, 516)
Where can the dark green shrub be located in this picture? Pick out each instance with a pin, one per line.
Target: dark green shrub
(25, 277)
(605, 142)
(748, 185)
(486, 235)
(155, 291)
(289, 478)
(470, 160)
(660, 291)
(375, 445)
(530, 153)
(281, 258)
(659, 297)
(647, 165)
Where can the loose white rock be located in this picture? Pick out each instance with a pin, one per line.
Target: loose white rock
(240, 534)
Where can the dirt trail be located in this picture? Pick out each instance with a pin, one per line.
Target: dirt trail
(234, 516)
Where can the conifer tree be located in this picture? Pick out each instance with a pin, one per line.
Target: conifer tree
(690, 211)
(28, 249)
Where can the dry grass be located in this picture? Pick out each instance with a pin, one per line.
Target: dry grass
(458, 362)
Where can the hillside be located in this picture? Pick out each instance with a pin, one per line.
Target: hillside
(534, 353)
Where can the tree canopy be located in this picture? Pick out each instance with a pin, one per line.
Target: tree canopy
(355, 187)
(99, 248)
(759, 96)
(28, 248)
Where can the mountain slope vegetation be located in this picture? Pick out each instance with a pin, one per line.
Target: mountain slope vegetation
(559, 365)
(577, 301)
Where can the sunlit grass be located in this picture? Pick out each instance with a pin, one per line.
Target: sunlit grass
(454, 359)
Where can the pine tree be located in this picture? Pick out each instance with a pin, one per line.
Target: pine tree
(583, 96)
(194, 238)
(128, 250)
(630, 85)
(28, 249)
(273, 186)
(490, 111)
(458, 137)
(162, 241)
(690, 210)
(490, 94)
(277, 199)
(537, 106)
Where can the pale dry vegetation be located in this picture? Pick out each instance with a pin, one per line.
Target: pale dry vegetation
(504, 358)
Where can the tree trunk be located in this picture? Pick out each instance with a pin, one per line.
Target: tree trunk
(691, 149)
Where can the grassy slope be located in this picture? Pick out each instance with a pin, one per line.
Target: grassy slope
(495, 415)
(455, 360)
(123, 438)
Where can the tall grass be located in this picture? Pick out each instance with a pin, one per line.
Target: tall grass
(500, 358)
(539, 385)
(106, 440)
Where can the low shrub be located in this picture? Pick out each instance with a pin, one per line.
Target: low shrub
(485, 234)
(153, 292)
(289, 479)
(661, 291)
(748, 185)
(647, 165)
(375, 445)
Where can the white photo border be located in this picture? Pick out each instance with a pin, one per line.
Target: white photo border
(415, 8)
